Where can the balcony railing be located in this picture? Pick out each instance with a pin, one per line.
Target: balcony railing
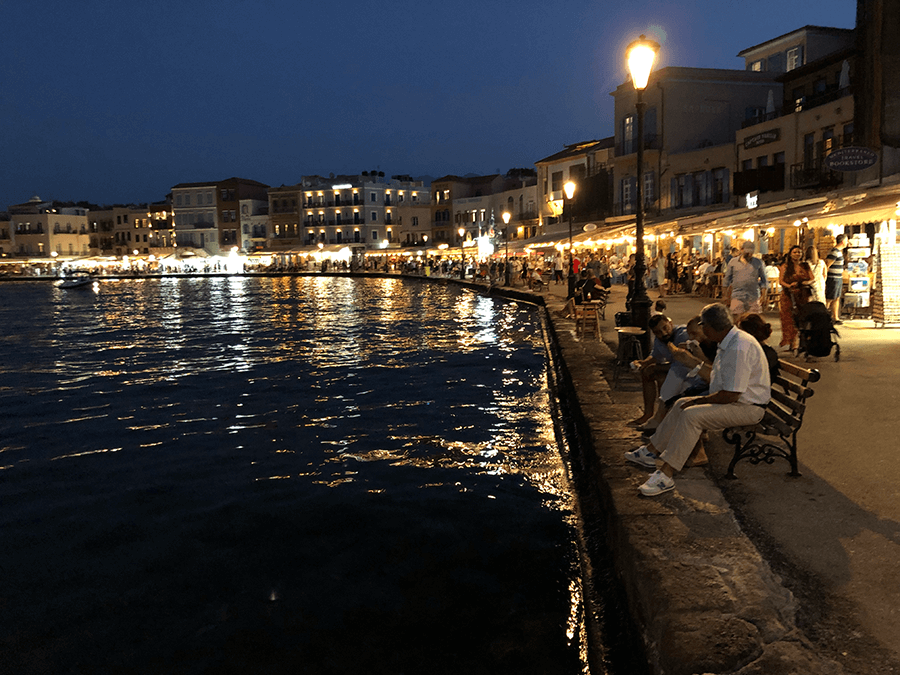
(764, 179)
(798, 105)
(813, 175)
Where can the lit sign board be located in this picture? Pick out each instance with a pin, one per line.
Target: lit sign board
(851, 159)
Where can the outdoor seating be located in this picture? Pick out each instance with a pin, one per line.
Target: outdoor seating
(776, 434)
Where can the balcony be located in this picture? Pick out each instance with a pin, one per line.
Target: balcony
(814, 175)
(803, 103)
(764, 179)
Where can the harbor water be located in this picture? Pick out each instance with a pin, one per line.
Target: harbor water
(281, 475)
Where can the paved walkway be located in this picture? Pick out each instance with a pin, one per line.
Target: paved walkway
(832, 535)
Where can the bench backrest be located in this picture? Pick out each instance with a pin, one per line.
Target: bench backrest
(790, 390)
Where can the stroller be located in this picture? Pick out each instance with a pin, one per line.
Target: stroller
(817, 331)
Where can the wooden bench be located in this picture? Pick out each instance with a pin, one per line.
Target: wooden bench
(776, 434)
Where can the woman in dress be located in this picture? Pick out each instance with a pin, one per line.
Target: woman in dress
(796, 282)
(819, 270)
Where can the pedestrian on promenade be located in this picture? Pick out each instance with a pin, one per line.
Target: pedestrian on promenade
(819, 272)
(557, 270)
(834, 282)
(796, 282)
(740, 389)
(660, 263)
(745, 277)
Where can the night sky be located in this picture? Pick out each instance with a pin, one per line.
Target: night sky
(118, 101)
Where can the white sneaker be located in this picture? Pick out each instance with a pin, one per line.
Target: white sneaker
(642, 457)
(657, 484)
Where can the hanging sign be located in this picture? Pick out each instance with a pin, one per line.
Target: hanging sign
(851, 159)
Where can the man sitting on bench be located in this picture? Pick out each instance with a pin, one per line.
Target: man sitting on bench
(739, 392)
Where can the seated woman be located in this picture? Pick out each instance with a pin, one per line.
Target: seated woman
(760, 329)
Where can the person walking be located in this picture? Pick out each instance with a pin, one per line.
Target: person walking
(557, 269)
(661, 273)
(796, 287)
(819, 272)
(745, 278)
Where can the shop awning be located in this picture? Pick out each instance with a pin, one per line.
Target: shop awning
(872, 209)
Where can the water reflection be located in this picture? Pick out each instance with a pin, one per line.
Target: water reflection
(380, 452)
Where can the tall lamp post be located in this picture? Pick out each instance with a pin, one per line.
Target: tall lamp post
(569, 192)
(640, 55)
(506, 217)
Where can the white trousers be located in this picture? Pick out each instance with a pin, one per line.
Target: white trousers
(679, 432)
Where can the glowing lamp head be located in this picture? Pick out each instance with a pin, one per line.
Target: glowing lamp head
(569, 189)
(506, 217)
(640, 55)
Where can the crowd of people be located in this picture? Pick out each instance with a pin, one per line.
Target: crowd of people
(716, 371)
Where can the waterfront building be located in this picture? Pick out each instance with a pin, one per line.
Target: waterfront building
(134, 230)
(254, 224)
(206, 213)
(782, 148)
(588, 165)
(45, 229)
(364, 212)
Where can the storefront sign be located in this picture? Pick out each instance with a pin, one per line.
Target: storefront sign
(851, 159)
(753, 199)
(762, 138)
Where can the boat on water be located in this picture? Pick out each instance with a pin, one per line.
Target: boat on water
(81, 281)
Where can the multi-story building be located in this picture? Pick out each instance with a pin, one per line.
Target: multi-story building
(47, 229)
(366, 210)
(145, 229)
(691, 118)
(446, 223)
(206, 214)
(782, 153)
(254, 224)
(588, 165)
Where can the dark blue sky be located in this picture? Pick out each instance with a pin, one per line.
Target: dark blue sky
(119, 101)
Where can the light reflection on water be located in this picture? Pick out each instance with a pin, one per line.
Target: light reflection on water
(381, 450)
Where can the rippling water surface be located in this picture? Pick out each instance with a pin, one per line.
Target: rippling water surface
(316, 475)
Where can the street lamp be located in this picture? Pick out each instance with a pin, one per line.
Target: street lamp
(569, 192)
(506, 217)
(640, 55)
(462, 256)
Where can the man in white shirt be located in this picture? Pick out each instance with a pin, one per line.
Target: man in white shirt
(745, 278)
(739, 392)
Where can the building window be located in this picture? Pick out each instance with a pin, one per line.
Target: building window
(187, 200)
(373, 197)
(556, 181)
(758, 66)
(762, 161)
(720, 191)
(628, 132)
(374, 217)
(374, 235)
(649, 188)
(415, 221)
(794, 58)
